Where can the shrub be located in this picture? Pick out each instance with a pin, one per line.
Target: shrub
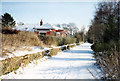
(99, 47)
(109, 64)
(9, 30)
(57, 41)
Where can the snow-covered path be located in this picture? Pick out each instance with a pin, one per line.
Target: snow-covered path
(70, 64)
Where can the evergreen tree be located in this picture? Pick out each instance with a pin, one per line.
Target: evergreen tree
(7, 20)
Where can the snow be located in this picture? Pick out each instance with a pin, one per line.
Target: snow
(47, 26)
(31, 27)
(33, 50)
(56, 46)
(69, 64)
(23, 52)
(28, 26)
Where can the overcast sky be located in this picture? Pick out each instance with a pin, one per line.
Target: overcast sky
(53, 12)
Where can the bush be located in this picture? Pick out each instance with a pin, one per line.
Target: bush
(97, 47)
(48, 40)
(109, 64)
(9, 30)
(57, 41)
(100, 47)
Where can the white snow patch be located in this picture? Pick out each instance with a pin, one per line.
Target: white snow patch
(18, 53)
(33, 50)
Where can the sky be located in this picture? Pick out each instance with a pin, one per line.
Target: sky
(54, 12)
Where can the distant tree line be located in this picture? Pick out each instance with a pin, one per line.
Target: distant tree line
(69, 27)
(104, 34)
(79, 34)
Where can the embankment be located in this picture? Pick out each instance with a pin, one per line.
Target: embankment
(11, 64)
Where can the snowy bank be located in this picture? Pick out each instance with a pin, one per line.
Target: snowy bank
(70, 64)
(19, 58)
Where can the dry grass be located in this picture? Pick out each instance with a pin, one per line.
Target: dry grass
(14, 39)
(23, 38)
(17, 40)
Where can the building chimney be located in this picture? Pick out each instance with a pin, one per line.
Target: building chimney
(41, 22)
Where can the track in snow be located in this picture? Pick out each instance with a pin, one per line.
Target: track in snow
(70, 64)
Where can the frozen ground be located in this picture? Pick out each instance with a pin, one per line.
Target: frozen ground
(70, 64)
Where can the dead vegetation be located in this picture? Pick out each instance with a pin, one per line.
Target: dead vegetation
(14, 39)
(57, 41)
(23, 38)
(108, 63)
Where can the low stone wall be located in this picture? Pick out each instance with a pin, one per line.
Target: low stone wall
(54, 51)
(11, 64)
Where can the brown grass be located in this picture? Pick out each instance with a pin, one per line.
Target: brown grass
(23, 38)
(17, 40)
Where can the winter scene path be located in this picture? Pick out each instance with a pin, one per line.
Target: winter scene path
(69, 64)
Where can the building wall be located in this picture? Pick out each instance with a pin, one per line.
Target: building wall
(61, 33)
